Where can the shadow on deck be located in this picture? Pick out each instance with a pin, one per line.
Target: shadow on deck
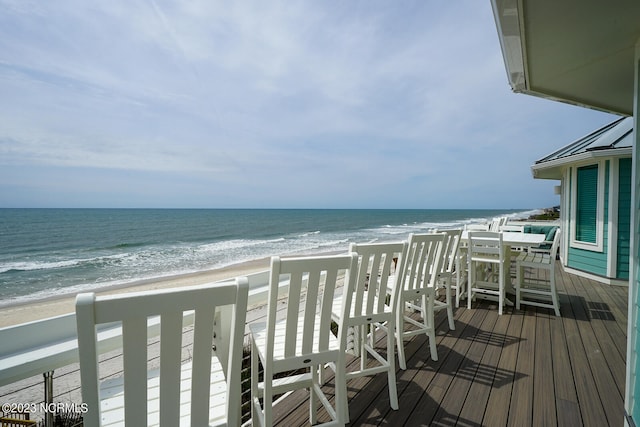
(526, 367)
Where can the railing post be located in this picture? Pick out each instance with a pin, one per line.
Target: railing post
(48, 397)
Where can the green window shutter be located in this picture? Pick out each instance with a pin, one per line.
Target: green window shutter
(587, 203)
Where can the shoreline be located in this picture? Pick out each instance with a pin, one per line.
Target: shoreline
(64, 303)
(56, 305)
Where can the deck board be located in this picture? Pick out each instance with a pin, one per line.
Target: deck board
(567, 406)
(543, 386)
(521, 408)
(526, 367)
(475, 404)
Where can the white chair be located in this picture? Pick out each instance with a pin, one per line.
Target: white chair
(476, 227)
(514, 250)
(540, 293)
(460, 284)
(379, 264)
(200, 392)
(545, 246)
(512, 228)
(297, 335)
(486, 259)
(496, 223)
(417, 290)
(448, 269)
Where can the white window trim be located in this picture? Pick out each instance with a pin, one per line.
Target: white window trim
(614, 194)
(598, 245)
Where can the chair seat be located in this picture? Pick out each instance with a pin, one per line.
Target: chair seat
(354, 320)
(112, 393)
(539, 292)
(487, 248)
(487, 258)
(534, 259)
(353, 316)
(280, 360)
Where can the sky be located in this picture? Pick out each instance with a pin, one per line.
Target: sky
(268, 104)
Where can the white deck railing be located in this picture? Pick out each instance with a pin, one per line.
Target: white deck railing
(42, 346)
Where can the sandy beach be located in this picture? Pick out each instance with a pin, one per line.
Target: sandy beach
(67, 379)
(63, 304)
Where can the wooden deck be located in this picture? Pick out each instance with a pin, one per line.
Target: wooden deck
(524, 368)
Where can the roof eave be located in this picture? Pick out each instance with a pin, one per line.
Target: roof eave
(509, 23)
(507, 18)
(572, 71)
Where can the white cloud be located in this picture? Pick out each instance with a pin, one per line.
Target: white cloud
(302, 95)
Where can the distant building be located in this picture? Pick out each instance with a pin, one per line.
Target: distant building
(595, 201)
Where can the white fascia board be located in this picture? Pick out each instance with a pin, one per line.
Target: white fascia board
(538, 168)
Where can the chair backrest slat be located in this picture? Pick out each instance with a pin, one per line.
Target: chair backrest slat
(201, 360)
(134, 354)
(310, 311)
(170, 354)
(293, 308)
(366, 266)
(326, 304)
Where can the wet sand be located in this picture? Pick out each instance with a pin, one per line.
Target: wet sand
(65, 303)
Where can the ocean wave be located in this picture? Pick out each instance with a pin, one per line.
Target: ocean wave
(525, 214)
(34, 276)
(55, 265)
(126, 245)
(42, 265)
(234, 244)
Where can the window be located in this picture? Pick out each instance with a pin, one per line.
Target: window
(588, 207)
(587, 203)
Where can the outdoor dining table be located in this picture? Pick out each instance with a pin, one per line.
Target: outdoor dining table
(510, 239)
(514, 238)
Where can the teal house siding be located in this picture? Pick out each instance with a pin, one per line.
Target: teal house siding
(591, 262)
(596, 186)
(624, 218)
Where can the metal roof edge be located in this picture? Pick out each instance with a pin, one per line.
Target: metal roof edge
(581, 157)
(582, 140)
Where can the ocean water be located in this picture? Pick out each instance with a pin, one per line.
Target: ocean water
(45, 252)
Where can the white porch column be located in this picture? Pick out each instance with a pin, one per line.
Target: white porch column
(632, 401)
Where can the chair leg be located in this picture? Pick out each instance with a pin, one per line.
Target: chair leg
(470, 283)
(267, 405)
(360, 344)
(313, 398)
(257, 415)
(458, 288)
(452, 325)
(391, 372)
(341, 403)
(458, 280)
(462, 278)
(427, 301)
(519, 278)
(400, 333)
(554, 293)
(501, 290)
